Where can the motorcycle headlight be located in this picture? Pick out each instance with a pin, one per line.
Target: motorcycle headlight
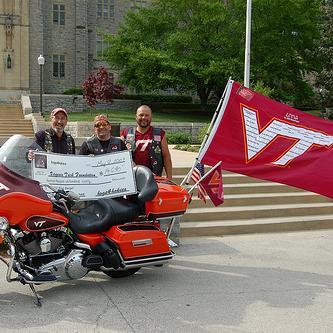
(3, 223)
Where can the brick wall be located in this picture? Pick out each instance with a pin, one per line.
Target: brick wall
(85, 128)
(76, 40)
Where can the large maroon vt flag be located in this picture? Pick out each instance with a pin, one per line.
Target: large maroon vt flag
(261, 138)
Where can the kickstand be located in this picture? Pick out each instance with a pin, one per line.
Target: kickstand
(38, 299)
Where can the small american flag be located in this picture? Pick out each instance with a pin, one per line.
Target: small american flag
(197, 174)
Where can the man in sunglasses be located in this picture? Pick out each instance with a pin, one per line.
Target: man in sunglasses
(102, 142)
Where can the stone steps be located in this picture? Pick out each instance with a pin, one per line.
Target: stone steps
(227, 178)
(12, 121)
(262, 187)
(257, 211)
(263, 199)
(259, 225)
(18, 122)
(7, 134)
(253, 205)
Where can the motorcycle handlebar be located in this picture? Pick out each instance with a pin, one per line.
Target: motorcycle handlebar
(60, 194)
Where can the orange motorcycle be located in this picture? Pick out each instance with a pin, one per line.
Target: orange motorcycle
(50, 241)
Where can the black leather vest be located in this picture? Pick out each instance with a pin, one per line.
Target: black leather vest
(96, 148)
(48, 142)
(155, 152)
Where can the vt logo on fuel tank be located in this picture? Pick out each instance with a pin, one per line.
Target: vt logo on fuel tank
(3, 187)
(257, 139)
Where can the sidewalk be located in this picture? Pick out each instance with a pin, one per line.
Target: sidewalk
(182, 158)
(276, 283)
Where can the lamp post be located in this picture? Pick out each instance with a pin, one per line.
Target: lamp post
(41, 62)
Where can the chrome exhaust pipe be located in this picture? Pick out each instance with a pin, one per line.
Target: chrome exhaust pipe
(143, 262)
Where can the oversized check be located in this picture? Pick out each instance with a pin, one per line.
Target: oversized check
(91, 177)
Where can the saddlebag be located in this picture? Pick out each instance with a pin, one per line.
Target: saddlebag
(171, 200)
(137, 240)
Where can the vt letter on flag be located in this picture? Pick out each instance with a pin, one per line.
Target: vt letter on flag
(259, 137)
(213, 186)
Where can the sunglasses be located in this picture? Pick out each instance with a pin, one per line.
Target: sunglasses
(100, 125)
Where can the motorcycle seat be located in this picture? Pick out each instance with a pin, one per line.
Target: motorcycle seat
(102, 214)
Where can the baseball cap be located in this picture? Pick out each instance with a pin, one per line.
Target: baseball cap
(55, 111)
(101, 117)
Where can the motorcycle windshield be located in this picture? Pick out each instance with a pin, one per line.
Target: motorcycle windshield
(15, 168)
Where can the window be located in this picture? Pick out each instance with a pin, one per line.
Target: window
(59, 66)
(9, 62)
(101, 45)
(105, 9)
(140, 3)
(59, 14)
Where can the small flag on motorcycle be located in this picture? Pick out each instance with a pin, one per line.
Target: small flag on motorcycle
(209, 184)
(198, 173)
(213, 186)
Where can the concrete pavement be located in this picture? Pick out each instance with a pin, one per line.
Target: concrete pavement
(181, 158)
(250, 283)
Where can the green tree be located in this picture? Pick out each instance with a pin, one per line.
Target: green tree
(198, 44)
(324, 80)
(284, 35)
(187, 45)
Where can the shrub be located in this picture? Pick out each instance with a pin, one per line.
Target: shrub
(73, 91)
(187, 147)
(182, 147)
(178, 138)
(202, 132)
(149, 98)
(100, 86)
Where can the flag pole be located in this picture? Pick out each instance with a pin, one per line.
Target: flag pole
(173, 220)
(247, 44)
(216, 113)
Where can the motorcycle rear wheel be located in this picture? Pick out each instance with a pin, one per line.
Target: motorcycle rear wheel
(121, 274)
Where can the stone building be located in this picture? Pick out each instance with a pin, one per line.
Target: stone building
(65, 32)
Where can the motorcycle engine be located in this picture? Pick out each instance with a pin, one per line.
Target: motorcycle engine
(51, 251)
(39, 243)
(67, 268)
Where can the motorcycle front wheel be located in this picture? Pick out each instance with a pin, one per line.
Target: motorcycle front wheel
(121, 274)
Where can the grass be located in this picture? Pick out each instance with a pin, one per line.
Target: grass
(119, 116)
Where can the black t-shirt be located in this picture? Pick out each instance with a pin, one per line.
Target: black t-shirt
(104, 147)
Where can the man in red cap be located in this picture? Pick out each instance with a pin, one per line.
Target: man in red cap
(102, 142)
(55, 139)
